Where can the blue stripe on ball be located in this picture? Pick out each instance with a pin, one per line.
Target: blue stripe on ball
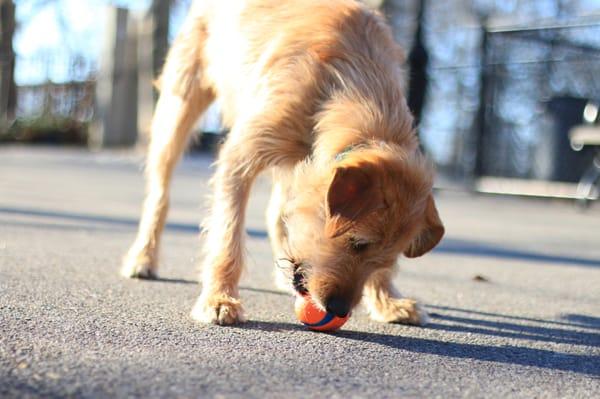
(328, 317)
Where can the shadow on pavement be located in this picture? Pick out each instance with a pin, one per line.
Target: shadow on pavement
(170, 280)
(507, 326)
(110, 220)
(572, 320)
(473, 322)
(505, 354)
(447, 246)
(513, 330)
(461, 247)
(584, 321)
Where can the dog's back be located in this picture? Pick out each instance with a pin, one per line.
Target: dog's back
(257, 40)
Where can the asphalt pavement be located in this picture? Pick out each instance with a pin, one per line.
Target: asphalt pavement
(513, 293)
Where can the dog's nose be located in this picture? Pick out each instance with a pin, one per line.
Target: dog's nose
(338, 306)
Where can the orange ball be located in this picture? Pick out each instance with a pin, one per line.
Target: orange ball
(314, 318)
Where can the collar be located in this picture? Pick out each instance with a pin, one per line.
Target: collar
(340, 156)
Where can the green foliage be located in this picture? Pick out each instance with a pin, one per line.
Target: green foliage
(45, 130)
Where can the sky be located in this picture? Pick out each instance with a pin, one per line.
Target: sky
(49, 36)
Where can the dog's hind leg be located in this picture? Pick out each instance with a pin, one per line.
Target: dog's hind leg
(275, 223)
(385, 303)
(276, 229)
(184, 96)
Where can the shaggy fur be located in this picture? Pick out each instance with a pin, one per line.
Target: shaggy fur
(311, 90)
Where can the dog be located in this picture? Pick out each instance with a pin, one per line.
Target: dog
(312, 91)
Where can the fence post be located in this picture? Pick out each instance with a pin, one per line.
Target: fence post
(117, 87)
(475, 152)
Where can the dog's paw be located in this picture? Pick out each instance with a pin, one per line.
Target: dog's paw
(399, 310)
(219, 309)
(138, 267)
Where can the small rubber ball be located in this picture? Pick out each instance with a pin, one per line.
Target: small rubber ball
(314, 318)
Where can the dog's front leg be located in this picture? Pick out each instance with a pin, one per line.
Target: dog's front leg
(224, 245)
(385, 303)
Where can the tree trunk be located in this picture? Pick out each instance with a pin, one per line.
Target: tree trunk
(8, 90)
(417, 62)
(160, 14)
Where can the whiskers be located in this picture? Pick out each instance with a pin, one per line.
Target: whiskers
(295, 272)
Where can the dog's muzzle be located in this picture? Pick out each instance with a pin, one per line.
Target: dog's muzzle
(338, 306)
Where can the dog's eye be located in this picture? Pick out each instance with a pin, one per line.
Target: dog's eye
(358, 245)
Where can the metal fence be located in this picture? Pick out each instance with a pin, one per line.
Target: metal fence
(64, 87)
(73, 100)
(536, 83)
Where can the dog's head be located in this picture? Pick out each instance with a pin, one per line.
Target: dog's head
(355, 217)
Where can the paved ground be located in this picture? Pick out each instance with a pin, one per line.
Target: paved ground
(69, 325)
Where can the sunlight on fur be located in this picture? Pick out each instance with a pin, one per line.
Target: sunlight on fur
(313, 91)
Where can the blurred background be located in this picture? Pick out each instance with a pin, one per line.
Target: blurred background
(506, 92)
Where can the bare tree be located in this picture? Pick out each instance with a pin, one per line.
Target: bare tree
(160, 11)
(8, 91)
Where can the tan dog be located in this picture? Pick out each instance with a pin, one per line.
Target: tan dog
(313, 91)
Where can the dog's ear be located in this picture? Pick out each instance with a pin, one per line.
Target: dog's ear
(353, 193)
(430, 235)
